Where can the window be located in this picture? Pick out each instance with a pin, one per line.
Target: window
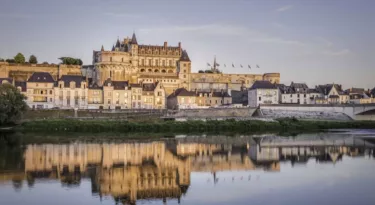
(150, 62)
(50, 92)
(50, 99)
(122, 59)
(184, 64)
(110, 59)
(109, 101)
(297, 95)
(163, 62)
(260, 98)
(156, 62)
(170, 62)
(109, 94)
(143, 62)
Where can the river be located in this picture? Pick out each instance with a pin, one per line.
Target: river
(320, 168)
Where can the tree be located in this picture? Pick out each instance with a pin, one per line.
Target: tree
(208, 71)
(200, 71)
(45, 62)
(10, 60)
(2, 60)
(19, 58)
(33, 59)
(12, 104)
(71, 61)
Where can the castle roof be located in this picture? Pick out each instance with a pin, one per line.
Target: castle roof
(42, 77)
(134, 39)
(118, 43)
(184, 56)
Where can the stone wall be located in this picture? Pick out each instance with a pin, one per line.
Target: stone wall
(212, 113)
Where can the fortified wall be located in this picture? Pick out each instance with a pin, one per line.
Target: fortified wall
(21, 72)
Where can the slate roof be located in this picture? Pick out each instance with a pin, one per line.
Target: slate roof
(262, 84)
(355, 90)
(134, 39)
(214, 94)
(95, 87)
(21, 84)
(298, 88)
(184, 56)
(41, 77)
(325, 89)
(372, 92)
(72, 78)
(182, 92)
(148, 86)
(135, 85)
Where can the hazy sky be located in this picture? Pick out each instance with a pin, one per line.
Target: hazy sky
(312, 41)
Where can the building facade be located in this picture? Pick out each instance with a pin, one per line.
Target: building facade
(263, 92)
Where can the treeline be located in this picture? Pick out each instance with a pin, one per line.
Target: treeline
(250, 126)
(20, 59)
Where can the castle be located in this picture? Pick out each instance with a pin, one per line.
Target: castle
(171, 65)
(130, 75)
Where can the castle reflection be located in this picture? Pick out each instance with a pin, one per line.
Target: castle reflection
(158, 170)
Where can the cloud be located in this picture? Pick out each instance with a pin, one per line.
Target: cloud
(284, 8)
(337, 53)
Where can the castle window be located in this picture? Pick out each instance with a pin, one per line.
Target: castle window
(163, 71)
(170, 62)
(150, 62)
(50, 92)
(156, 62)
(122, 59)
(163, 62)
(110, 59)
(143, 62)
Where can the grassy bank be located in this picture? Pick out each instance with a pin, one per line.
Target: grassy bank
(251, 126)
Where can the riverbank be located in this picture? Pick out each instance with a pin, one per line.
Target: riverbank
(247, 126)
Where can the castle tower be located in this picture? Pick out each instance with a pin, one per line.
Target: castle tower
(184, 70)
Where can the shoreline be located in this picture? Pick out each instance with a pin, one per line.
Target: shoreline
(243, 126)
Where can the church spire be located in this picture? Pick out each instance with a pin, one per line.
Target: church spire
(113, 48)
(118, 43)
(102, 48)
(134, 39)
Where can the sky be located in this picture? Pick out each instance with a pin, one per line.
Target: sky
(308, 41)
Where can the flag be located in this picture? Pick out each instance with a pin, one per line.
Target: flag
(249, 66)
(225, 66)
(241, 66)
(217, 64)
(232, 65)
(257, 66)
(208, 64)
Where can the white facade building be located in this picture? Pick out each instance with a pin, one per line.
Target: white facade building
(263, 92)
(71, 92)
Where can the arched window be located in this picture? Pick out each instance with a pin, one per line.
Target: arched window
(170, 71)
(163, 71)
(142, 70)
(149, 70)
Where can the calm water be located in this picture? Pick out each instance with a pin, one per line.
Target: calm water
(309, 169)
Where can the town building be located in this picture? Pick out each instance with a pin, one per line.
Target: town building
(40, 91)
(369, 97)
(71, 92)
(184, 99)
(331, 94)
(263, 92)
(298, 93)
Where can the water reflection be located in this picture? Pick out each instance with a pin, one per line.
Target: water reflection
(161, 170)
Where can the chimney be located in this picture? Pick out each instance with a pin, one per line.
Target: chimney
(165, 44)
(179, 45)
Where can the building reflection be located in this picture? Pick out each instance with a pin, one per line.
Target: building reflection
(129, 172)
